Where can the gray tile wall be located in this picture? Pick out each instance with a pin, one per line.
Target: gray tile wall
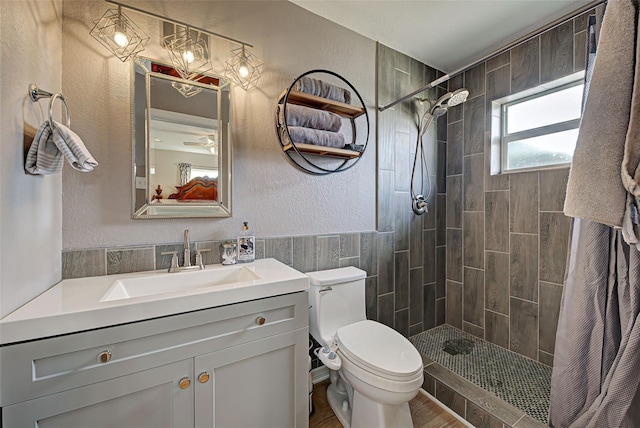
(506, 234)
(411, 264)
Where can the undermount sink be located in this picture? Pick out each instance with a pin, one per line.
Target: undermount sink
(128, 288)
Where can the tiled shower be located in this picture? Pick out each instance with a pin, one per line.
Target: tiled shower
(494, 246)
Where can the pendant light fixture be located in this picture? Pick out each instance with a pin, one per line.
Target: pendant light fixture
(188, 51)
(187, 46)
(244, 68)
(119, 34)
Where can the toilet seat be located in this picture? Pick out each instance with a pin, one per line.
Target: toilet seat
(380, 350)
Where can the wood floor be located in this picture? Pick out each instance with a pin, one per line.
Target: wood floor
(424, 412)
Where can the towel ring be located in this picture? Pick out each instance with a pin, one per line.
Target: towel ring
(66, 108)
(36, 93)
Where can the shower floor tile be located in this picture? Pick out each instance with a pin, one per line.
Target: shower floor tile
(521, 382)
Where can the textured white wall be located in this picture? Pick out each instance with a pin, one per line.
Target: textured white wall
(273, 196)
(30, 207)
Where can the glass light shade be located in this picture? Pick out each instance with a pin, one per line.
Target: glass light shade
(186, 89)
(189, 55)
(244, 68)
(119, 34)
(121, 39)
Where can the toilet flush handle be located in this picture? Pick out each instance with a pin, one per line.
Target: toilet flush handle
(325, 289)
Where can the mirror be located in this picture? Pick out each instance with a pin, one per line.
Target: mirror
(181, 144)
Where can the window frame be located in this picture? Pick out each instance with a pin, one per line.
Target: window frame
(506, 138)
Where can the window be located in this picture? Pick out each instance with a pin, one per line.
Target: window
(539, 128)
(202, 171)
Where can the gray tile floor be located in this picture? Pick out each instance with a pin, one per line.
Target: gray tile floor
(519, 381)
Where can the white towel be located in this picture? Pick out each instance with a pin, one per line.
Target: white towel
(46, 151)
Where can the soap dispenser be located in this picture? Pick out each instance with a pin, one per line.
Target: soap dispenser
(246, 245)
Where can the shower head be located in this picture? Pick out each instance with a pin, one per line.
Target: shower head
(449, 99)
(458, 97)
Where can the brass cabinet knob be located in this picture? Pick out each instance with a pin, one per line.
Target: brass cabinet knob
(204, 377)
(104, 356)
(184, 383)
(260, 320)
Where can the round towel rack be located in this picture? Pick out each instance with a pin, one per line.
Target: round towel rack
(304, 159)
(36, 93)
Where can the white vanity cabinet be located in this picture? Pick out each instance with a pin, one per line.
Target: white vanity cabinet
(150, 398)
(240, 365)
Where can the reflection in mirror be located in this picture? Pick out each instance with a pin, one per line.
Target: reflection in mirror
(181, 144)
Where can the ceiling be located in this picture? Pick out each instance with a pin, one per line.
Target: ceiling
(445, 34)
(169, 130)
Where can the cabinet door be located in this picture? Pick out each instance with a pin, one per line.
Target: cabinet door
(148, 399)
(262, 384)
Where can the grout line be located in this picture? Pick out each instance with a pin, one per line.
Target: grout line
(550, 282)
(496, 312)
(524, 300)
(497, 252)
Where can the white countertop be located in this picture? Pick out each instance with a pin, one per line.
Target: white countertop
(75, 304)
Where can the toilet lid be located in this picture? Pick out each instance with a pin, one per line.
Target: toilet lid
(379, 348)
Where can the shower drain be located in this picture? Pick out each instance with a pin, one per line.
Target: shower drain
(458, 346)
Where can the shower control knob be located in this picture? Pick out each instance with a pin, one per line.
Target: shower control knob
(332, 356)
(326, 350)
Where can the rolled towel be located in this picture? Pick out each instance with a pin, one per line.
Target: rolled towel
(45, 156)
(72, 147)
(323, 89)
(317, 137)
(310, 118)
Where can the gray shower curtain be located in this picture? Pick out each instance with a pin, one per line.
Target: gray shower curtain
(596, 373)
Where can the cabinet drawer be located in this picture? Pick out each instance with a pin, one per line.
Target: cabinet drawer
(57, 364)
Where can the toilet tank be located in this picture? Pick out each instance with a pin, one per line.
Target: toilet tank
(336, 299)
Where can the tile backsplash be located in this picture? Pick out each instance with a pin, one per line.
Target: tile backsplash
(304, 253)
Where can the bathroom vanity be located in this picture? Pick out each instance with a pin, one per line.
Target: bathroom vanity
(229, 361)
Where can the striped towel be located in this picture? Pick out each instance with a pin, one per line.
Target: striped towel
(46, 153)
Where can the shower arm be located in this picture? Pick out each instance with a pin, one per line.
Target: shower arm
(497, 52)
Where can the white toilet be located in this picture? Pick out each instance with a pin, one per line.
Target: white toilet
(375, 370)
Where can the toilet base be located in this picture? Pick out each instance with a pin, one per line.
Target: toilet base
(336, 401)
(355, 410)
(367, 413)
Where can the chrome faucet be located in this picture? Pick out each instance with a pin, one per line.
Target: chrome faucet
(175, 265)
(187, 251)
